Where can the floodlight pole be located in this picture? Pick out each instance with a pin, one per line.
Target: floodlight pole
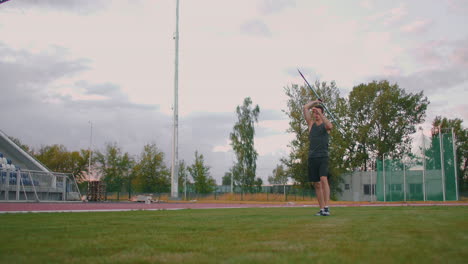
(175, 134)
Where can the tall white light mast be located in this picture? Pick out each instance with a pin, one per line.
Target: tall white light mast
(175, 135)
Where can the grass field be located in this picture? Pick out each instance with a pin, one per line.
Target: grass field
(254, 235)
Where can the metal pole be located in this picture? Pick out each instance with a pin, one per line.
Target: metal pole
(442, 167)
(232, 182)
(383, 171)
(90, 157)
(185, 186)
(370, 180)
(404, 181)
(424, 165)
(454, 146)
(174, 167)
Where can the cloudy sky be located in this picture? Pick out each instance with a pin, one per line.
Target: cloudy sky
(64, 63)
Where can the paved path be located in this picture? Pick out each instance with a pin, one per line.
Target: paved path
(25, 207)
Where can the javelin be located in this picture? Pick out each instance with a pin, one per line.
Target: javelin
(324, 106)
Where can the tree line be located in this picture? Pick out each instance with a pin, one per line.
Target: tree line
(378, 118)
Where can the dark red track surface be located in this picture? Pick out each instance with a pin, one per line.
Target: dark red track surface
(22, 207)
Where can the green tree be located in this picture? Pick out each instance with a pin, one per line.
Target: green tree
(242, 142)
(461, 136)
(58, 159)
(21, 145)
(115, 167)
(258, 184)
(184, 179)
(151, 173)
(200, 173)
(279, 176)
(55, 157)
(227, 178)
(383, 116)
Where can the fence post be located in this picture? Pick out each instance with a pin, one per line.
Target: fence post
(454, 146)
(404, 181)
(442, 167)
(383, 172)
(424, 165)
(17, 186)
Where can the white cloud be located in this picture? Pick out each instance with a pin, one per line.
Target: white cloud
(256, 28)
(417, 26)
(367, 4)
(389, 17)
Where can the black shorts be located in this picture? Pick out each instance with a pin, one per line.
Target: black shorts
(318, 167)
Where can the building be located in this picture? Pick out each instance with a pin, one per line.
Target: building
(23, 178)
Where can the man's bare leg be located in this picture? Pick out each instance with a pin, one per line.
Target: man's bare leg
(319, 193)
(325, 190)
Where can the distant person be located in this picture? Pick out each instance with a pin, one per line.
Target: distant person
(319, 129)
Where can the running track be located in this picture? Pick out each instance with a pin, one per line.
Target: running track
(25, 207)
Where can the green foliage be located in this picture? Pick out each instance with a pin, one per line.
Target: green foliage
(382, 118)
(58, 159)
(115, 167)
(258, 184)
(151, 174)
(183, 176)
(280, 176)
(203, 181)
(242, 142)
(21, 145)
(227, 178)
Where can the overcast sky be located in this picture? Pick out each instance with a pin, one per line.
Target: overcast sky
(64, 63)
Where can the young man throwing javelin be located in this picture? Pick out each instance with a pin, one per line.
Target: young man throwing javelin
(319, 129)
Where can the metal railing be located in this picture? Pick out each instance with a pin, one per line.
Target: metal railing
(28, 185)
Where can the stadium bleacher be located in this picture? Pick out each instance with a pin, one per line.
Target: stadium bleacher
(24, 178)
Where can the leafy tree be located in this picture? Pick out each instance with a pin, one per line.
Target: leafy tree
(57, 158)
(258, 184)
(203, 182)
(280, 176)
(242, 142)
(227, 178)
(183, 176)
(115, 167)
(461, 136)
(78, 162)
(127, 164)
(151, 174)
(383, 116)
(21, 145)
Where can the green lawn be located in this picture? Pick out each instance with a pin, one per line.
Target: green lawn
(255, 235)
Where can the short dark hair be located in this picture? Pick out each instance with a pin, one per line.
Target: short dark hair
(320, 107)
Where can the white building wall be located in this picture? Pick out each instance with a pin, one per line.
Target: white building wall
(353, 186)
